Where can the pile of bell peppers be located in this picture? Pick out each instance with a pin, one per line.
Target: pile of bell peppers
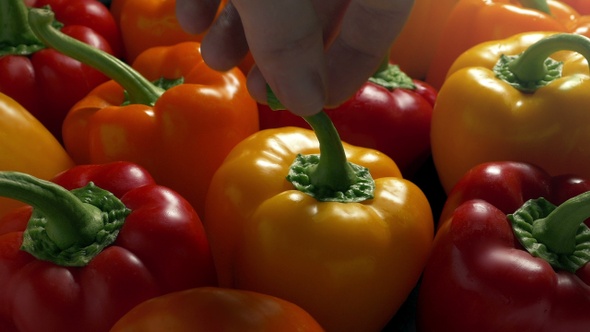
(142, 190)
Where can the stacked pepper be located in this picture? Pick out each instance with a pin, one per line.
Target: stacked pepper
(46, 82)
(510, 254)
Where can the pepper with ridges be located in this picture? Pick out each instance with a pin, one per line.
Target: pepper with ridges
(502, 101)
(96, 241)
(329, 226)
(510, 254)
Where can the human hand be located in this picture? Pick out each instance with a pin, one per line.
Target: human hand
(312, 53)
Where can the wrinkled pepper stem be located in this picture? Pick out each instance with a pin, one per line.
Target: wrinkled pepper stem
(139, 89)
(533, 68)
(328, 176)
(556, 234)
(67, 227)
(16, 36)
(540, 5)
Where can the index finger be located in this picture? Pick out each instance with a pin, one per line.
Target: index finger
(368, 29)
(286, 40)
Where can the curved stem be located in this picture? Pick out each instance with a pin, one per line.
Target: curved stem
(556, 234)
(16, 36)
(329, 176)
(333, 170)
(540, 5)
(69, 221)
(558, 229)
(139, 89)
(530, 65)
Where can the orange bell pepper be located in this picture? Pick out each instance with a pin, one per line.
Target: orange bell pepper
(523, 98)
(27, 146)
(413, 48)
(180, 130)
(217, 309)
(475, 21)
(148, 23)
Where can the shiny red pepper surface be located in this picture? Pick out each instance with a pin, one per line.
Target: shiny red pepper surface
(160, 248)
(480, 278)
(390, 113)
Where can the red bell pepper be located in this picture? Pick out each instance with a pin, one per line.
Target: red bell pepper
(94, 244)
(506, 258)
(390, 113)
(44, 81)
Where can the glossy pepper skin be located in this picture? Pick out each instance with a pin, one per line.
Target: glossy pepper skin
(413, 48)
(27, 146)
(44, 81)
(350, 264)
(581, 6)
(479, 117)
(391, 113)
(476, 21)
(180, 129)
(480, 278)
(149, 23)
(160, 248)
(217, 309)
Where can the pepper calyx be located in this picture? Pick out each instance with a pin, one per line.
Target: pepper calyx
(533, 68)
(112, 213)
(68, 228)
(556, 234)
(504, 72)
(392, 77)
(301, 176)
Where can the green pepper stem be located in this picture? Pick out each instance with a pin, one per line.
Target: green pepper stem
(16, 36)
(530, 65)
(139, 89)
(328, 176)
(333, 170)
(558, 229)
(69, 221)
(540, 5)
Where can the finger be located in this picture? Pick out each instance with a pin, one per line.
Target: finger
(330, 13)
(224, 45)
(195, 16)
(286, 42)
(368, 29)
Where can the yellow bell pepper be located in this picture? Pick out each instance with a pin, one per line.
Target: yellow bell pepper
(27, 146)
(347, 254)
(535, 111)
